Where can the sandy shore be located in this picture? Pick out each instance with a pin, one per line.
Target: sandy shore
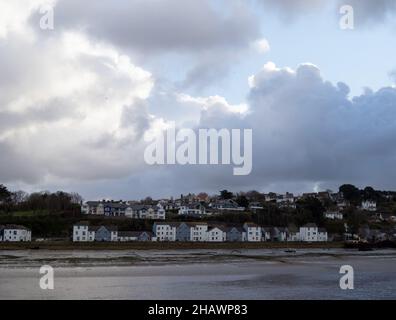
(162, 245)
(199, 274)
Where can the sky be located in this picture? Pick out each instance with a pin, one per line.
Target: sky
(79, 99)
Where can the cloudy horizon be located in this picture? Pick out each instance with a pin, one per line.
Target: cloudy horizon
(78, 101)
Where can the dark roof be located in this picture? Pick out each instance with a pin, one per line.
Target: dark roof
(251, 224)
(218, 226)
(310, 225)
(15, 227)
(172, 224)
(322, 230)
(129, 233)
(82, 223)
(193, 224)
(239, 229)
(133, 233)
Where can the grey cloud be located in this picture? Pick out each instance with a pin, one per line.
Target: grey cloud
(157, 25)
(365, 11)
(306, 133)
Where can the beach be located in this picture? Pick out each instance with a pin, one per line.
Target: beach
(198, 274)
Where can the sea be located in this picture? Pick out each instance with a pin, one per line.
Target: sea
(257, 274)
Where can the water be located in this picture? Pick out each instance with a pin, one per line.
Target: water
(198, 274)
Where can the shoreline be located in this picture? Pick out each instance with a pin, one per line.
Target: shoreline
(117, 246)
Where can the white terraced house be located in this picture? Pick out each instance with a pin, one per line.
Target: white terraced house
(217, 234)
(333, 215)
(369, 205)
(165, 231)
(253, 232)
(199, 232)
(311, 233)
(82, 232)
(124, 209)
(15, 233)
(192, 210)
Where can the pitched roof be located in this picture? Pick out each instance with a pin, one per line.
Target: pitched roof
(193, 224)
(251, 224)
(310, 225)
(15, 227)
(239, 229)
(172, 224)
(218, 226)
(133, 233)
(82, 223)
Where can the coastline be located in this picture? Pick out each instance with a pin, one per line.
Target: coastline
(212, 274)
(119, 246)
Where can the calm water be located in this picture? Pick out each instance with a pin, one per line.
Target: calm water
(198, 274)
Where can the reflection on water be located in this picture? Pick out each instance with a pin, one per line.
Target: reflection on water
(198, 274)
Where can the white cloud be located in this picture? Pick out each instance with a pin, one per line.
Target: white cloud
(70, 108)
(261, 46)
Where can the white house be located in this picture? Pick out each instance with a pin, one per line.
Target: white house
(279, 234)
(322, 235)
(124, 209)
(192, 210)
(199, 232)
(253, 232)
(15, 233)
(293, 236)
(333, 215)
(217, 234)
(165, 231)
(311, 233)
(82, 232)
(255, 206)
(369, 205)
(226, 205)
(265, 234)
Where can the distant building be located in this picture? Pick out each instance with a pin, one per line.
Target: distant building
(279, 234)
(130, 236)
(124, 209)
(192, 210)
(311, 233)
(253, 232)
(253, 206)
(192, 231)
(217, 233)
(266, 234)
(334, 215)
(235, 234)
(369, 205)
(165, 231)
(83, 232)
(226, 205)
(15, 233)
(106, 234)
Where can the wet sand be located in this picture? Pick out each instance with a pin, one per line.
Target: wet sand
(198, 274)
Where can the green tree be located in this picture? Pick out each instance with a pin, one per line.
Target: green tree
(310, 210)
(225, 195)
(242, 201)
(350, 193)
